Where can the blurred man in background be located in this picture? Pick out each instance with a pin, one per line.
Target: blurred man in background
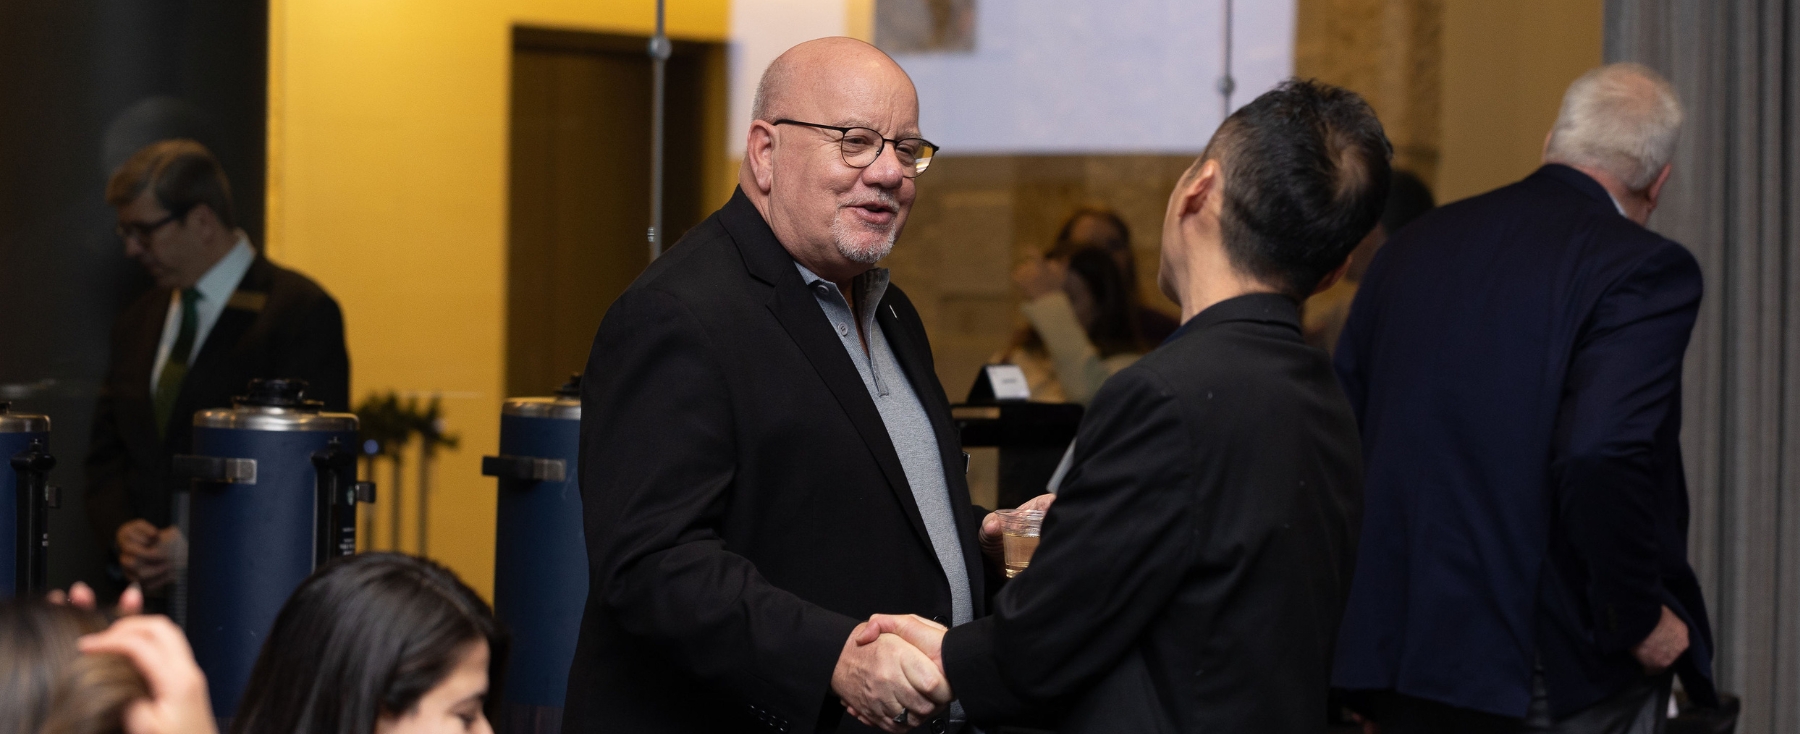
(1515, 362)
(220, 315)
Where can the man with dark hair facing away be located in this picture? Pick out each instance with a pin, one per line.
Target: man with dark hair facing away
(220, 315)
(1192, 571)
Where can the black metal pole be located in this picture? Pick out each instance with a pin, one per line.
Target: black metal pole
(1227, 84)
(659, 61)
(34, 498)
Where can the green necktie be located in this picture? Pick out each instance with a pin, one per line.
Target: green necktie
(168, 386)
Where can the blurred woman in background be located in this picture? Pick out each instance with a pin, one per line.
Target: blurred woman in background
(1081, 327)
(376, 643)
(1097, 226)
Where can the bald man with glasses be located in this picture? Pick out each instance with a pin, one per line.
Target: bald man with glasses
(219, 315)
(767, 456)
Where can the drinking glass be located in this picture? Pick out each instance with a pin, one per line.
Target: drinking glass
(1019, 531)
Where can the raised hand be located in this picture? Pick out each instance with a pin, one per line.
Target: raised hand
(888, 684)
(1040, 277)
(993, 548)
(178, 703)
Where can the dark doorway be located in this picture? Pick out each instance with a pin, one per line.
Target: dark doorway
(83, 85)
(580, 185)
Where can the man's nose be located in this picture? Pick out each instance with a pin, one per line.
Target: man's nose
(133, 248)
(886, 172)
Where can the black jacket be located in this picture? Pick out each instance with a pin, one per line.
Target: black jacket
(278, 323)
(744, 505)
(1193, 568)
(1515, 361)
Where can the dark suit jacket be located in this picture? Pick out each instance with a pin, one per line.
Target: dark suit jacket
(1515, 361)
(1194, 565)
(278, 323)
(744, 506)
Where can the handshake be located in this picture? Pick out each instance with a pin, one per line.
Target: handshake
(890, 674)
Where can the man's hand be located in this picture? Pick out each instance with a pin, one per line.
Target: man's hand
(1665, 644)
(149, 556)
(178, 703)
(993, 546)
(877, 679)
(917, 631)
(1039, 277)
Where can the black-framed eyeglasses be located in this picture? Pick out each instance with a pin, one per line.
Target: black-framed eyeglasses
(862, 146)
(143, 230)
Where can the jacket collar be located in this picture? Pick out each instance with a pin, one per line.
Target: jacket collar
(1576, 180)
(763, 255)
(1268, 308)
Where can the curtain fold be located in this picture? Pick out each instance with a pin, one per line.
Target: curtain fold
(1731, 200)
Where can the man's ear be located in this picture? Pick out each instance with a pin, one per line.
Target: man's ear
(759, 154)
(1332, 277)
(1191, 195)
(202, 218)
(1655, 191)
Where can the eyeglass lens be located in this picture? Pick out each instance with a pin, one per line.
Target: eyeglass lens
(862, 146)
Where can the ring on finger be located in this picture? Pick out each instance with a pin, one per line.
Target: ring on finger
(900, 718)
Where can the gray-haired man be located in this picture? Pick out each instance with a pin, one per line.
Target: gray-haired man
(1514, 360)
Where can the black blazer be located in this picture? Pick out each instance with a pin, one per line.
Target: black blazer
(1193, 568)
(278, 323)
(744, 506)
(1515, 361)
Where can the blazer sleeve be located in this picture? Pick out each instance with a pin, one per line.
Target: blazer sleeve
(1115, 547)
(316, 353)
(1623, 386)
(657, 471)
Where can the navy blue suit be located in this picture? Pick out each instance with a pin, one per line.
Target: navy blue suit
(1514, 361)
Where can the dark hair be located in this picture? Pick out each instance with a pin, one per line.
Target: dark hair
(365, 636)
(1306, 176)
(181, 173)
(1066, 244)
(47, 685)
(1114, 331)
(1408, 199)
(1065, 235)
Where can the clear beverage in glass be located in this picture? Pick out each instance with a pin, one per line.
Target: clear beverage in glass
(1019, 532)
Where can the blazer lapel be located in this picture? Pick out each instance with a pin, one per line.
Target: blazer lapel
(911, 353)
(213, 363)
(805, 322)
(136, 404)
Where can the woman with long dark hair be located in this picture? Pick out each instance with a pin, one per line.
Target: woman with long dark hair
(1081, 329)
(376, 643)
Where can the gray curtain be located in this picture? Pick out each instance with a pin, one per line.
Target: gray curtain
(1731, 200)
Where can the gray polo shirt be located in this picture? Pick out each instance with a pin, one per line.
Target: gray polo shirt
(908, 427)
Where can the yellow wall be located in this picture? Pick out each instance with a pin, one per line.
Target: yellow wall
(387, 184)
(1505, 66)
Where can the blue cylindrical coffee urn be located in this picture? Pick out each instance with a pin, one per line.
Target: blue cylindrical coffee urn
(24, 497)
(540, 556)
(274, 495)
